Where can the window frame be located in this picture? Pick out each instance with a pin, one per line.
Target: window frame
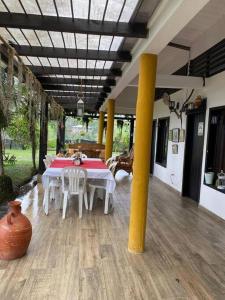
(164, 162)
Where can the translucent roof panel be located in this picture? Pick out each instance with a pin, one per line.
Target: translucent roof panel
(44, 38)
(81, 41)
(128, 10)
(69, 40)
(64, 8)
(63, 62)
(2, 7)
(53, 62)
(57, 39)
(93, 41)
(30, 7)
(115, 10)
(116, 43)
(97, 9)
(47, 7)
(18, 36)
(31, 37)
(80, 8)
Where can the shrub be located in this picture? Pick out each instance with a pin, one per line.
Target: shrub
(6, 188)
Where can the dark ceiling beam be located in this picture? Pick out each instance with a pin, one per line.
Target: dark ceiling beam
(68, 99)
(55, 87)
(75, 94)
(179, 46)
(120, 56)
(38, 70)
(53, 80)
(63, 24)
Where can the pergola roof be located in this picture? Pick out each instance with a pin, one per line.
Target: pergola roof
(67, 43)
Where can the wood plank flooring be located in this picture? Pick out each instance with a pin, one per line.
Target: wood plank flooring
(88, 258)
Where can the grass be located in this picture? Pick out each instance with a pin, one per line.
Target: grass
(22, 170)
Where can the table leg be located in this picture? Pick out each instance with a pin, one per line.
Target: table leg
(106, 210)
(46, 197)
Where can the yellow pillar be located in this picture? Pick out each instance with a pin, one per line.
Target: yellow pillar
(100, 127)
(109, 128)
(144, 116)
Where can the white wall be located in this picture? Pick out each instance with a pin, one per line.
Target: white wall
(173, 173)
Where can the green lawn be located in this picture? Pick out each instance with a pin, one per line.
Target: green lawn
(22, 170)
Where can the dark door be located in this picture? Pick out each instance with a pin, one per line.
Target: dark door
(153, 147)
(193, 155)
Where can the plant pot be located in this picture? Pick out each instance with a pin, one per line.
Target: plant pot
(209, 177)
(15, 233)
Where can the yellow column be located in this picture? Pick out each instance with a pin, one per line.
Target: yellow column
(100, 127)
(144, 116)
(109, 128)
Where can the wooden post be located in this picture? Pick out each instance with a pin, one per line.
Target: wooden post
(100, 127)
(131, 134)
(109, 128)
(1, 155)
(60, 143)
(43, 147)
(144, 118)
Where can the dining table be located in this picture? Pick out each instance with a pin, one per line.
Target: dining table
(97, 173)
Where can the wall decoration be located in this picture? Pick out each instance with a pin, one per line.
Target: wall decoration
(182, 135)
(170, 135)
(200, 128)
(175, 135)
(175, 148)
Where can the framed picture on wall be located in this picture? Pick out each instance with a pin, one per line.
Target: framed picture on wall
(175, 135)
(182, 135)
(170, 135)
(175, 148)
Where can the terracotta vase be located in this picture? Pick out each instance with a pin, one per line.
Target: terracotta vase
(15, 233)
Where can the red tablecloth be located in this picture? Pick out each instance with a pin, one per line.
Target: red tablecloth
(87, 164)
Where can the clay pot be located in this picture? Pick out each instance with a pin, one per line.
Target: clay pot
(15, 233)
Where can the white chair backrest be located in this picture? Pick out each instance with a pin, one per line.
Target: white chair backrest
(49, 158)
(47, 163)
(77, 179)
(83, 156)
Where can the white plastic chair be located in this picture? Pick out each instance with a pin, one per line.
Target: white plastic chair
(47, 163)
(77, 178)
(92, 188)
(54, 185)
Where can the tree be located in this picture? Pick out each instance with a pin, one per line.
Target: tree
(18, 129)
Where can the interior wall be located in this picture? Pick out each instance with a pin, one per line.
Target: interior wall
(173, 174)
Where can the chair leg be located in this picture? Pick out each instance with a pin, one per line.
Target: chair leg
(81, 195)
(106, 210)
(65, 200)
(86, 200)
(92, 193)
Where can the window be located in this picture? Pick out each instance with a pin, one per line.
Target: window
(162, 141)
(215, 160)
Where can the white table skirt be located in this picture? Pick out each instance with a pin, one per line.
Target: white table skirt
(99, 175)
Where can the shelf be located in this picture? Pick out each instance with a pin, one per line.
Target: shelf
(215, 188)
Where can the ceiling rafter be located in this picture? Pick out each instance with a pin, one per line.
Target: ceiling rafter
(73, 88)
(38, 70)
(55, 80)
(76, 94)
(63, 24)
(120, 56)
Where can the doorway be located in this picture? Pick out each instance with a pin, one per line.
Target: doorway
(193, 155)
(152, 161)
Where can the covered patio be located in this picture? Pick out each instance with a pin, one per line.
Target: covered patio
(88, 258)
(158, 65)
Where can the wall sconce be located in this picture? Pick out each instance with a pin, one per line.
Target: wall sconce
(173, 106)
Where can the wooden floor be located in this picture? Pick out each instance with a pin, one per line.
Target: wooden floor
(88, 258)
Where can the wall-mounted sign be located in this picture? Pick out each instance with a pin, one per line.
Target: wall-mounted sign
(200, 128)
